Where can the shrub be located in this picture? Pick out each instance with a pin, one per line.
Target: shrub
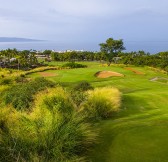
(5, 81)
(102, 102)
(65, 132)
(78, 97)
(57, 99)
(22, 75)
(83, 86)
(78, 94)
(20, 79)
(21, 95)
(10, 71)
(74, 65)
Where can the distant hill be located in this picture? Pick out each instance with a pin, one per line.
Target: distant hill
(14, 39)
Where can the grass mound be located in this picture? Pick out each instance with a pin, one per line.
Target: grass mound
(107, 74)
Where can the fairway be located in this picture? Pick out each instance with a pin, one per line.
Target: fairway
(139, 132)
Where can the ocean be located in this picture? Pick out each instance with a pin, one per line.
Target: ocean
(148, 46)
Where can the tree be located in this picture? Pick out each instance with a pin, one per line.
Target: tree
(47, 53)
(71, 56)
(55, 56)
(111, 48)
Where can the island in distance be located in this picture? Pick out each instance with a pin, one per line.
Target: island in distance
(15, 39)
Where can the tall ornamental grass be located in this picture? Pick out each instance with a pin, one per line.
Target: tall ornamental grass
(54, 131)
(102, 102)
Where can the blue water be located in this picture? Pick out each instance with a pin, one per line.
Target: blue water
(147, 46)
(151, 47)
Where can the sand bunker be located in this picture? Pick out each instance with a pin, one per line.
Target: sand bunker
(46, 74)
(134, 71)
(107, 74)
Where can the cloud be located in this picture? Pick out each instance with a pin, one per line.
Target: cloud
(83, 20)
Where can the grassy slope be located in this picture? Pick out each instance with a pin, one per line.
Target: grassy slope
(139, 131)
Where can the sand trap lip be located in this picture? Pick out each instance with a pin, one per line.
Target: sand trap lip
(46, 74)
(135, 71)
(107, 74)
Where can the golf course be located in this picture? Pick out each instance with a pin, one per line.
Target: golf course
(139, 131)
(84, 81)
(124, 118)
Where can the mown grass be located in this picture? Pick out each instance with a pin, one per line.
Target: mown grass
(139, 131)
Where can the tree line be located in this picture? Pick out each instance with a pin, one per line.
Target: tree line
(140, 58)
(111, 51)
(12, 58)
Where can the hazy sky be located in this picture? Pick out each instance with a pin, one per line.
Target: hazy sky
(85, 20)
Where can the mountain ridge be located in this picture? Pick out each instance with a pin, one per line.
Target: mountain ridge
(17, 39)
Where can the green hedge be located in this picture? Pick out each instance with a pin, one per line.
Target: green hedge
(74, 65)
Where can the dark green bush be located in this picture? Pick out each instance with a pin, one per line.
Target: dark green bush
(74, 65)
(22, 75)
(78, 97)
(20, 79)
(78, 94)
(21, 95)
(83, 86)
(5, 81)
(10, 71)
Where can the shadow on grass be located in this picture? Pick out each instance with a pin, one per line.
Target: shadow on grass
(132, 115)
(126, 91)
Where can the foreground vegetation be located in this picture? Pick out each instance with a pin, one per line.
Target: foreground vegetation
(74, 116)
(52, 131)
(39, 123)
